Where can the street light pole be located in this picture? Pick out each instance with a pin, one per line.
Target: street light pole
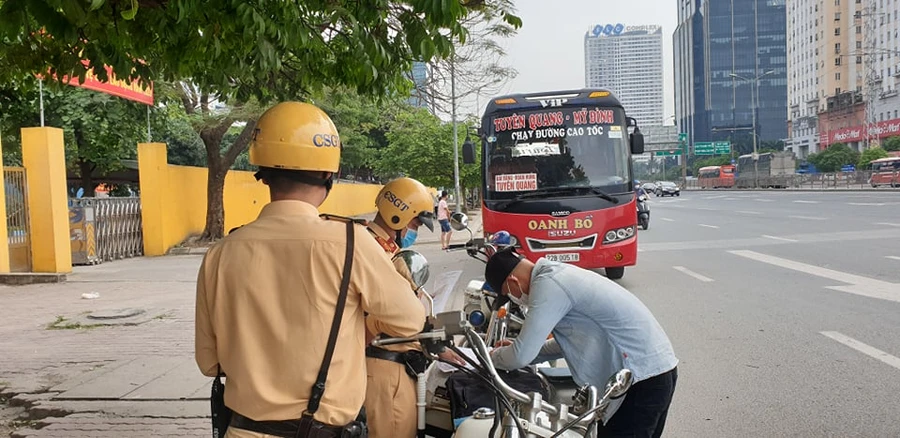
(754, 98)
(455, 136)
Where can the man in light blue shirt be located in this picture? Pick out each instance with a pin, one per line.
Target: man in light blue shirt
(598, 327)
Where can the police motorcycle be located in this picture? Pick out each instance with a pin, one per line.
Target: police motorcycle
(519, 414)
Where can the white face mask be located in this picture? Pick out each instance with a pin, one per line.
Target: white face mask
(520, 300)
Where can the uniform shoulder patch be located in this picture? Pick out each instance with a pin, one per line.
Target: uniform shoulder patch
(334, 217)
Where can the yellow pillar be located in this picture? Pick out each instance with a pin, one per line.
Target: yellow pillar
(153, 169)
(4, 232)
(43, 153)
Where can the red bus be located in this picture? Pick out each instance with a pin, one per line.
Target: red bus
(713, 177)
(556, 174)
(886, 172)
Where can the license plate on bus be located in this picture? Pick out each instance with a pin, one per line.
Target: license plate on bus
(564, 258)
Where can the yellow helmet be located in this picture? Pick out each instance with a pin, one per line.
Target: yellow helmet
(296, 136)
(402, 200)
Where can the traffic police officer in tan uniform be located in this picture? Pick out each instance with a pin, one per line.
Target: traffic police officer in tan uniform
(404, 204)
(267, 293)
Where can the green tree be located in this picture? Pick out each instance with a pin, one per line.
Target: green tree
(869, 155)
(420, 146)
(833, 158)
(891, 144)
(234, 52)
(99, 130)
(172, 126)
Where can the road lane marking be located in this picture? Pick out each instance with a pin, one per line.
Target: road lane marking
(708, 226)
(892, 257)
(706, 209)
(807, 202)
(691, 273)
(763, 200)
(868, 350)
(667, 219)
(869, 204)
(748, 212)
(714, 197)
(857, 284)
(808, 218)
(783, 239)
(890, 224)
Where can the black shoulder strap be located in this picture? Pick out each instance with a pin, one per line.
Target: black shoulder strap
(318, 388)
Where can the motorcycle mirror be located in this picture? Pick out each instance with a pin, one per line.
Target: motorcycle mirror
(417, 265)
(459, 221)
(619, 383)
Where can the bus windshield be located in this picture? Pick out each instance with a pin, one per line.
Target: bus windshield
(556, 149)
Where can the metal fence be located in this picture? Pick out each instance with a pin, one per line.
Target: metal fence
(18, 229)
(818, 181)
(118, 226)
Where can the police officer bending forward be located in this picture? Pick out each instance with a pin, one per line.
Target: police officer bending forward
(267, 293)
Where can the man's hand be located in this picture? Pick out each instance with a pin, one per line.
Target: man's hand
(502, 343)
(451, 356)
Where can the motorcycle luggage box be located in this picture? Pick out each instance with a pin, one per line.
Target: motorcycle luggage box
(468, 393)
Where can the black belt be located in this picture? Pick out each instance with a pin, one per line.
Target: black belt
(380, 353)
(288, 428)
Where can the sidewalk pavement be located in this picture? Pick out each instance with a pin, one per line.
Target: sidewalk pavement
(110, 352)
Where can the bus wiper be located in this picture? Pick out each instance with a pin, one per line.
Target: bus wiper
(543, 193)
(603, 195)
(539, 193)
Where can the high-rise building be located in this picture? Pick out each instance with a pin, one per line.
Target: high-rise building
(418, 95)
(859, 72)
(733, 60)
(628, 60)
(803, 79)
(690, 70)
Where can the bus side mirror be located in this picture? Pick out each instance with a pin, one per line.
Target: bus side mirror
(637, 142)
(468, 151)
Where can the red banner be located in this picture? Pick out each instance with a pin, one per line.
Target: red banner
(113, 86)
(887, 128)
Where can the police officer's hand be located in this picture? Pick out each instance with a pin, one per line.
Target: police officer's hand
(451, 356)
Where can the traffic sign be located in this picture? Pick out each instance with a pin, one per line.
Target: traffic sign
(704, 148)
(667, 153)
(682, 137)
(722, 147)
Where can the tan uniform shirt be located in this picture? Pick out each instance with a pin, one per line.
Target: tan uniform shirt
(266, 297)
(401, 268)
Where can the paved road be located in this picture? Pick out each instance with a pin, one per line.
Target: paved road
(784, 309)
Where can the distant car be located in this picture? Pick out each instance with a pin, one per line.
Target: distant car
(649, 187)
(667, 188)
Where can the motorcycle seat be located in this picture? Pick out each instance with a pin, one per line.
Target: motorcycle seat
(556, 374)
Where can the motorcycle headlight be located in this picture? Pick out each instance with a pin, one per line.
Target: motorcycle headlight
(618, 234)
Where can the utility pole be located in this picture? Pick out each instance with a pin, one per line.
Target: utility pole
(455, 135)
(754, 97)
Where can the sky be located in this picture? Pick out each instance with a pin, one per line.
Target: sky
(548, 50)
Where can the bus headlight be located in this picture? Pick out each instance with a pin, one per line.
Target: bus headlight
(618, 234)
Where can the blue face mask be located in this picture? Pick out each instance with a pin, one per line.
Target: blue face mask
(409, 239)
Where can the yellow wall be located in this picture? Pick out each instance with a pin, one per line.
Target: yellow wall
(4, 232)
(180, 193)
(43, 155)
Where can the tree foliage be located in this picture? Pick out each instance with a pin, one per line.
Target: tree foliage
(264, 49)
(891, 144)
(99, 130)
(869, 155)
(833, 158)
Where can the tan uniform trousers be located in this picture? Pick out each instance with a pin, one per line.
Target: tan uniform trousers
(390, 400)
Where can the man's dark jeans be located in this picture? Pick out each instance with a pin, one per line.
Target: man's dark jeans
(644, 411)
